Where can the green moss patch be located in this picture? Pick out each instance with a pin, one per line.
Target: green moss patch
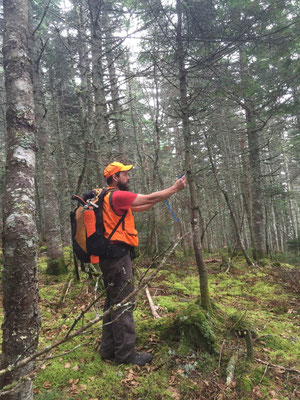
(192, 330)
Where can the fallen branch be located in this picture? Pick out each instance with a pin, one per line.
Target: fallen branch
(264, 374)
(212, 260)
(152, 306)
(231, 367)
(295, 371)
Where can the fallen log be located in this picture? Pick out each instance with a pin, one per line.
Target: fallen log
(231, 367)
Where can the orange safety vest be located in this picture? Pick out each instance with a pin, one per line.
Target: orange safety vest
(126, 232)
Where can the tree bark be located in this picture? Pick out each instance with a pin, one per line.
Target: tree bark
(86, 107)
(117, 118)
(255, 169)
(101, 126)
(55, 252)
(63, 171)
(184, 108)
(20, 285)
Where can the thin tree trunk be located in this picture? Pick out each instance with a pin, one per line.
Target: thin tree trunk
(61, 160)
(55, 252)
(202, 271)
(114, 89)
(101, 126)
(20, 285)
(255, 170)
(229, 205)
(86, 109)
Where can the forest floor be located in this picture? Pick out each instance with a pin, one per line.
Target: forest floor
(262, 300)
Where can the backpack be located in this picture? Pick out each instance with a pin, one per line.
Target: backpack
(89, 242)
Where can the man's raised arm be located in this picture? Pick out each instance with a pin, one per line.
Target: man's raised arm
(145, 201)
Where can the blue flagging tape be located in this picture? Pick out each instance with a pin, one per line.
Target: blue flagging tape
(169, 207)
(174, 216)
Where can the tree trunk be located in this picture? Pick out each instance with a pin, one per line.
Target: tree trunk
(55, 252)
(63, 171)
(101, 126)
(20, 285)
(255, 169)
(87, 177)
(204, 292)
(110, 47)
(256, 186)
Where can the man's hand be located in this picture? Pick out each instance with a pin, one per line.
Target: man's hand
(180, 183)
(156, 197)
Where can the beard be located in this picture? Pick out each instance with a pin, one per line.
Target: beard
(123, 186)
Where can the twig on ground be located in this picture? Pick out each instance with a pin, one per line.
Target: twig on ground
(152, 306)
(293, 370)
(265, 371)
(65, 290)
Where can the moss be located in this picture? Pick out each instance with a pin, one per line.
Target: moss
(170, 303)
(276, 342)
(263, 262)
(249, 376)
(42, 264)
(239, 322)
(88, 370)
(206, 362)
(192, 330)
(56, 266)
(153, 386)
(52, 394)
(257, 373)
(192, 284)
(180, 287)
(262, 288)
(245, 384)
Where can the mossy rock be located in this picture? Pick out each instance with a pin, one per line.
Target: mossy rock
(192, 330)
(56, 266)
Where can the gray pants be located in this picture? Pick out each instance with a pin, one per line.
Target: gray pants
(118, 336)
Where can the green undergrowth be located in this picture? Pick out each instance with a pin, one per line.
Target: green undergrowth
(191, 347)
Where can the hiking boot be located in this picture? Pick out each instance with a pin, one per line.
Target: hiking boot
(107, 357)
(138, 359)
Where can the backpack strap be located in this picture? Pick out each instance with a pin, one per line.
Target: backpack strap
(117, 226)
(109, 191)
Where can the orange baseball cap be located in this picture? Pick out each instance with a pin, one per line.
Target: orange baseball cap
(115, 167)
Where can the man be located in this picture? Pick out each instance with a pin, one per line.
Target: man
(118, 337)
